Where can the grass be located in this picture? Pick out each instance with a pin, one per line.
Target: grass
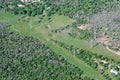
(75, 61)
(56, 21)
(39, 32)
(60, 20)
(82, 44)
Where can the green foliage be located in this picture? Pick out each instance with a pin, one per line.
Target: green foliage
(24, 57)
(92, 59)
(81, 10)
(81, 34)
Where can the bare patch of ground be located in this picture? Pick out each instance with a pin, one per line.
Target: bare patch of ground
(115, 52)
(107, 23)
(103, 40)
(84, 27)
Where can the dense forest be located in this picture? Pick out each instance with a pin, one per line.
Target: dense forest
(23, 57)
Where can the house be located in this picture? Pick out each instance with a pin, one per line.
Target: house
(114, 72)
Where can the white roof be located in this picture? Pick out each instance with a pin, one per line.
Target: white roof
(20, 5)
(114, 72)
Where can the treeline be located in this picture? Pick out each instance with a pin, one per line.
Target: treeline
(94, 60)
(75, 32)
(24, 58)
(61, 29)
(30, 9)
(81, 34)
(80, 10)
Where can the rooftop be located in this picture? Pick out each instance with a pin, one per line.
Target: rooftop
(114, 72)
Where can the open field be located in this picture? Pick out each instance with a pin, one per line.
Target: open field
(82, 44)
(41, 33)
(55, 21)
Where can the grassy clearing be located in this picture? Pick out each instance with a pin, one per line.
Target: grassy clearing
(75, 61)
(42, 34)
(99, 49)
(69, 57)
(60, 20)
(56, 21)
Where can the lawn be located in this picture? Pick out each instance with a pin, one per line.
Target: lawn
(39, 32)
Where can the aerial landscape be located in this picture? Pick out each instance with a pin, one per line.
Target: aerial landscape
(59, 39)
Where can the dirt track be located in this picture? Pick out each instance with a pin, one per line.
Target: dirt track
(115, 52)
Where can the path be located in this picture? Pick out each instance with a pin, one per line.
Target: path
(115, 52)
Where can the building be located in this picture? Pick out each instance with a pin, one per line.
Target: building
(20, 5)
(114, 72)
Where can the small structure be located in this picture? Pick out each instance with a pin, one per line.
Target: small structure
(114, 72)
(103, 61)
(20, 5)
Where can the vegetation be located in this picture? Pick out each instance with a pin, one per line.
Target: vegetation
(107, 24)
(99, 62)
(49, 40)
(42, 35)
(81, 34)
(24, 57)
(80, 10)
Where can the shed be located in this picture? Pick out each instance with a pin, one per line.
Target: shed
(114, 72)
